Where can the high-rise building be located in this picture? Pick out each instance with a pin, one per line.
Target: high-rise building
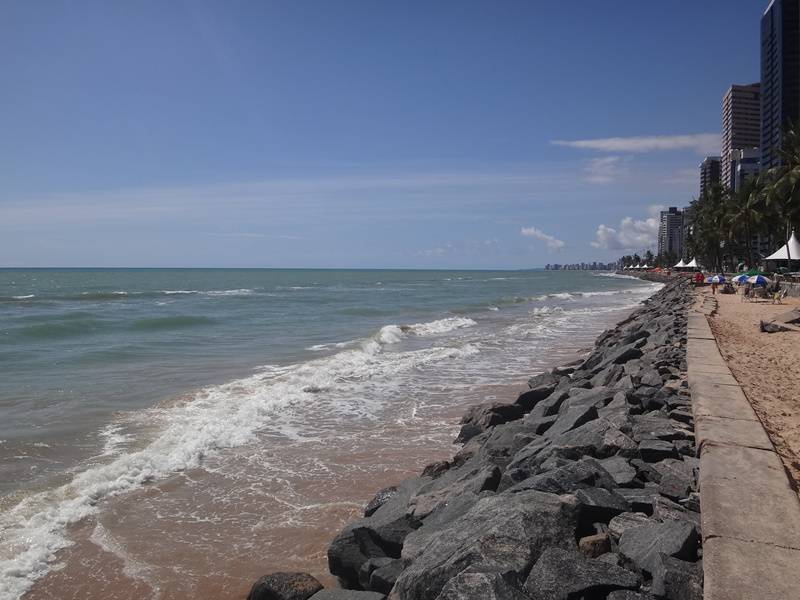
(780, 76)
(741, 125)
(709, 174)
(744, 164)
(670, 232)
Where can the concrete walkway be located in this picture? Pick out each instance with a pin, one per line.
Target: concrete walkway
(750, 514)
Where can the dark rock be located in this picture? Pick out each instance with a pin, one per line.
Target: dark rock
(566, 574)
(382, 579)
(643, 544)
(651, 377)
(597, 397)
(366, 570)
(549, 406)
(675, 579)
(469, 478)
(665, 509)
(683, 415)
(629, 595)
(620, 470)
(377, 536)
(507, 531)
(336, 594)
(656, 450)
(599, 438)
(592, 546)
(284, 586)
(598, 504)
(640, 499)
(623, 521)
(624, 383)
(432, 470)
(541, 424)
(611, 374)
(541, 387)
(570, 419)
(379, 500)
(474, 585)
(544, 379)
(585, 473)
(483, 416)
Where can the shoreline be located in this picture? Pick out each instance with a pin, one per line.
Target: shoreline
(594, 465)
(231, 576)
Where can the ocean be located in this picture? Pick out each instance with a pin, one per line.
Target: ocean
(166, 433)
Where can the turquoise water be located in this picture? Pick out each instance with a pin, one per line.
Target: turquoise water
(112, 378)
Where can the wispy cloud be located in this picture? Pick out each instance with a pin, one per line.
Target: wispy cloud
(701, 143)
(553, 243)
(605, 169)
(630, 234)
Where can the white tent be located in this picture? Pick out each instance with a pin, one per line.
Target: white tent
(645, 266)
(639, 266)
(680, 264)
(692, 264)
(792, 247)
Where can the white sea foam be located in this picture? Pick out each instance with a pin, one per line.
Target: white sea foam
(216, 417)
(26, 297)
(237, 292)
(180, 292)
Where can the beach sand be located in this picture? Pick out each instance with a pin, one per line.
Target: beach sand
(767, 365)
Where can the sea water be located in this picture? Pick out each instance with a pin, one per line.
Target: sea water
(167, 432)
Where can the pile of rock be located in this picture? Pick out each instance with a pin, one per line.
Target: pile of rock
(584, 487)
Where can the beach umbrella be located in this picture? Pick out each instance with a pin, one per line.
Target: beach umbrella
(716, 279)
(740, 279)
(758, 280)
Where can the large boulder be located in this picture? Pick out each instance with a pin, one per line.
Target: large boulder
(284, 586)
(380, 535)
(575, 475)
(334, 594)
(570, 419)
(472, 585)
(565, 574)
(644, 544)
(503, 533)
(675, 579)
(483, 416)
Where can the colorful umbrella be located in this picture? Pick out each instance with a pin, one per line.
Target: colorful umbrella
(758, 280)
(716, 279)
(741, 278)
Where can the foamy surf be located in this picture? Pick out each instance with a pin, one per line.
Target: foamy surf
(216, 418)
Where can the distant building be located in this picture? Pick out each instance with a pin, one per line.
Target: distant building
(744, 164)
(670, 232)
(741, 126)
(709, 174)
(780, 76)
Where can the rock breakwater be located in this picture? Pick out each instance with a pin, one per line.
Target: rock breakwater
(584, 487)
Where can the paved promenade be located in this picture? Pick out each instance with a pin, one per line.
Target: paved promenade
(750, 513)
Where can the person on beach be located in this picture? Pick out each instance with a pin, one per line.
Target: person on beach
(698, 279)
(713, 288)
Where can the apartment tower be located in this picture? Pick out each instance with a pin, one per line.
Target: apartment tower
(709, 174)
(741, 126)
(780, 76)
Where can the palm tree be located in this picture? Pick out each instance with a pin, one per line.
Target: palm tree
(744, 212)
(783, 192)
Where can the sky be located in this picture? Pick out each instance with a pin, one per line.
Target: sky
(369, 134)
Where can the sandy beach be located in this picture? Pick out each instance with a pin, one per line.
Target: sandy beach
(767, 365)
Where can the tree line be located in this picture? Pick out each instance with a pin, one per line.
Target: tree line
(723, 222)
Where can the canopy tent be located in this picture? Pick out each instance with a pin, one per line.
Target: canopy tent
(680, 264)
(792, 247)
(645, 266)
(692, 264)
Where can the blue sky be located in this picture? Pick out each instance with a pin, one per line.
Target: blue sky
(369, 133)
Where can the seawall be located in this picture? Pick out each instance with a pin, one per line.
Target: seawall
(583, 486)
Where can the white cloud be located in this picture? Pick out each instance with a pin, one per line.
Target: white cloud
(553, 244)
(605, 169)
(631, 234)
(701, 143)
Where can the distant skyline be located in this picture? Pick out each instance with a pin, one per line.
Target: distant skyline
(357, 134)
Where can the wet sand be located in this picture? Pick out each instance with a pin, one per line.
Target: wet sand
(767, 365)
